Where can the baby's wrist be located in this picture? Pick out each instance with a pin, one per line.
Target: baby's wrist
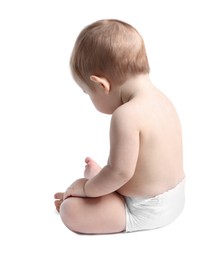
(84, 188)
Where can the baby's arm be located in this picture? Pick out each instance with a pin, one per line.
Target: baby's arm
(77, 187)
(124, 148)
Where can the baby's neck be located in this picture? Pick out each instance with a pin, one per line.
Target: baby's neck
(135, 86)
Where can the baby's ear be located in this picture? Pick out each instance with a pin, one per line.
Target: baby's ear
(101, 82)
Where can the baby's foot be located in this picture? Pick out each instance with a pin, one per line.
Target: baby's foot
(59, 199)
(91, 168)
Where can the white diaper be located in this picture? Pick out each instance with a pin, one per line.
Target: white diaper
(144, 213)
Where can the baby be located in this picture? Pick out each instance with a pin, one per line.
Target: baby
(142, 185)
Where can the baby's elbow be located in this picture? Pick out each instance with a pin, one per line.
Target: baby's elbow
(125, 176)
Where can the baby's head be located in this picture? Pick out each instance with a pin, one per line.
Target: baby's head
(111, 49)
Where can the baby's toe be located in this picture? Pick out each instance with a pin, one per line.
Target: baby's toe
(58, 204)
(59, 195)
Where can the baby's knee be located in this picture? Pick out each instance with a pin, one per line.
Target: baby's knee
(69, 213)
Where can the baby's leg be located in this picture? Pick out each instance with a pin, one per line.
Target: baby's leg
(91, 168)
(94, 215)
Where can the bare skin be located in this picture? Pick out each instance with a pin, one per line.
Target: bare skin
(113, 220)
(91, 169)
(145, 156)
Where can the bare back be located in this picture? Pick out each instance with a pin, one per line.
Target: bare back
(160, 163)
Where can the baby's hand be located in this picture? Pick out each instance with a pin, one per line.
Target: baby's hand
(76, 189)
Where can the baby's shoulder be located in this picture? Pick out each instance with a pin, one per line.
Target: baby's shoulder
(127, 116)
(126, 111)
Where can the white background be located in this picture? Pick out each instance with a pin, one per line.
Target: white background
(48, 126)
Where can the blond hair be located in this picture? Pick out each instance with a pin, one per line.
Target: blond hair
(108, 48)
